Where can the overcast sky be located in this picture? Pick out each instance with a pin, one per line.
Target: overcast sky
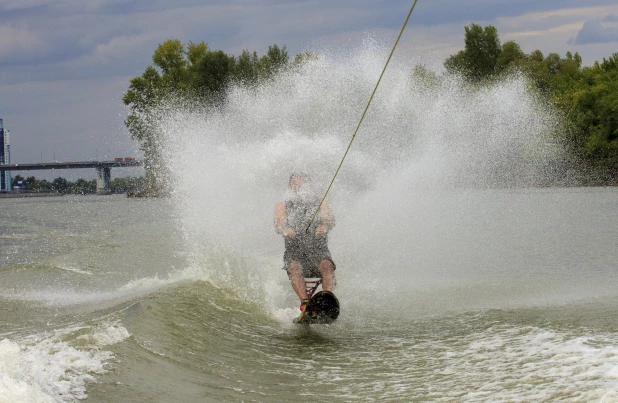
(65, 64)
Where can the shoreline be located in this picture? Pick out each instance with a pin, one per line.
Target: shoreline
(18, 195)
(142, 193)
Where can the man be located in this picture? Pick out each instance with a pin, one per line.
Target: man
(306, 252)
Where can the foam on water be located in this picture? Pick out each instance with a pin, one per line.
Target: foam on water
(533, 364)
(65, 297)
(61, 297)
(48, 368)
(502, 363)
(75, 270)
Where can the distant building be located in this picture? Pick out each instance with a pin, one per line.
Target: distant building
(5, 158)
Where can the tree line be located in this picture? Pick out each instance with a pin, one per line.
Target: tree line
(587, 97)
(80, 186)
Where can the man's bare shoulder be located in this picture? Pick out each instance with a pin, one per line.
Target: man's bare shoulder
(326, 206)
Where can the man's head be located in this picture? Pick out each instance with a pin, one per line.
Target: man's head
(297, 181)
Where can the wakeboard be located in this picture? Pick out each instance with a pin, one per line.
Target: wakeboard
(323, 307)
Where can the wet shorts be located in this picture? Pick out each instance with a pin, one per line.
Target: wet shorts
(309, 253)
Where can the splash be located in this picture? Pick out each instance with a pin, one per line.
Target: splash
(49, 369)
(422, 142)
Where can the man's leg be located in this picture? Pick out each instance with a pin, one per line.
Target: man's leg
(327, 271)
(295, 272)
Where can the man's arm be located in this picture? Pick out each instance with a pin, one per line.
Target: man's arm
(327, 219)
(280, 221)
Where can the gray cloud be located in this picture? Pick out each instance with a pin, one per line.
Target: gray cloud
(439, 12)
(53, 43)
(611, 18)
(73, 29)
(58, 39)
(594, 32)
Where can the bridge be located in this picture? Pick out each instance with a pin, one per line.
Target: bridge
(103, 168)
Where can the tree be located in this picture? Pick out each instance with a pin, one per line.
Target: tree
(170, 58)
(571, 64)
(482, 49)
(17, 179)
(122, 185)
(554, 62)
(144, 93)
(44, 185)
(425, 77)
(537, 72)
(30, 183)
(594, 106)
(213, 72)
(195, 51)
(479, 58)
(274, 61)
(609, 65)
(511, 55)
(82, 186)
(247, 68)
(305, 57)
(60, 185)
(536, 55)
(457, 63)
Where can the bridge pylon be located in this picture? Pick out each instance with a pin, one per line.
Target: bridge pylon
(104, 175)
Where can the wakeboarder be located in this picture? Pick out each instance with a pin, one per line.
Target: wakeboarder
(306, 249)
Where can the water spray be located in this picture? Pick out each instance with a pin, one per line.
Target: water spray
(362, 116)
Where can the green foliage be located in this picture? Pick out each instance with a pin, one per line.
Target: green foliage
(482, 50)
(510, 55)
(302, 58)
(427, 79)
(80, 186)
(123, 185)
(33, 184)
(16, 179)
(60, 185)
(457, 63)
(144, 92)
(274, 61)
(194, 72)
(30, 183)
(170, 57)
(44, 186)
(587, 97)
(554, 63)
(592, 102)
(536, 56)
(212, 73)
(479, 58)
(195, 51)
(247, 68)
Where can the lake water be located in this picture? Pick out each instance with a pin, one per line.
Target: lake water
(481, 295)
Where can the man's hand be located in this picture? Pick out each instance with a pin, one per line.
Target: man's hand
(321, 230)
(289, 233)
